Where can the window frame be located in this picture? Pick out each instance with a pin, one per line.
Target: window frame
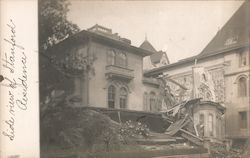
(113, 93)
(123, 98)
(111, 57)
(241, 121)
(242, 86)
(243, 55)
(121, 59)
(152, 101)
(211, 125)
(117, 58)
(202, 124)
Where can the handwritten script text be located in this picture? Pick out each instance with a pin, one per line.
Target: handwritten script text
(15, 80)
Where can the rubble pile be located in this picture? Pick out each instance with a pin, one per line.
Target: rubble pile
(218, 149)
(182, 122)
(182, 125)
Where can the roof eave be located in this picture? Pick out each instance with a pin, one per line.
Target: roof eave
(100, 38)
(191, 59)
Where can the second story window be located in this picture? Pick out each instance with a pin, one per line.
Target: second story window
(243, 59)
(121, 59)
(242, 87)
(117, 58)
(111, 57)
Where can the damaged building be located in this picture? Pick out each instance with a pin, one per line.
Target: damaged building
(226, 59)
(202, 99)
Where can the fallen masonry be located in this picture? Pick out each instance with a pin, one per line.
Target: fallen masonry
(180, 130)
(143, 134)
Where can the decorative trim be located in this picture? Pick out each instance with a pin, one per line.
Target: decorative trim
(117, 84)
(235, 73)
(218, 66)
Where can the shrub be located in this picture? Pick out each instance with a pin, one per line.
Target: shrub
(131, 129)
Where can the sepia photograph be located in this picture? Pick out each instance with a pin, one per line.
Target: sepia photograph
(144, 79)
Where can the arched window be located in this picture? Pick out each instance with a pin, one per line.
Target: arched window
(242, 87)
(121, 59)
(111, 57)
(111, 96)
(152, 101)
(123, 98)
(210, 124)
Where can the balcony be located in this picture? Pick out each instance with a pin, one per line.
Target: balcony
(113, 71)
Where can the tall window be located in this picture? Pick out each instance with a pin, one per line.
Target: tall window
(210, 124)
(242, 87)
(111, 96)
(152, 101)
(243, 119)
(121, 59)
(111, 57)
(117, 58)
(201, 124)
(123, 98)
(243, 59)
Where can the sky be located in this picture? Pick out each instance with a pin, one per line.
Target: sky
(181, 28)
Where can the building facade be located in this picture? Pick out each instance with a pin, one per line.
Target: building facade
(226, 58)
(116, 77)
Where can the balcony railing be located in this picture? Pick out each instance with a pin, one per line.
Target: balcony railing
(113, 71)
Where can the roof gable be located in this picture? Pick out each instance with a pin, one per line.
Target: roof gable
(146, 45)
(233, 34)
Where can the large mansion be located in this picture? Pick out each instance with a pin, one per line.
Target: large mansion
(124, 76)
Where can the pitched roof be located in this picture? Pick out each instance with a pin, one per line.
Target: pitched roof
(233, 34)
(146, 45)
